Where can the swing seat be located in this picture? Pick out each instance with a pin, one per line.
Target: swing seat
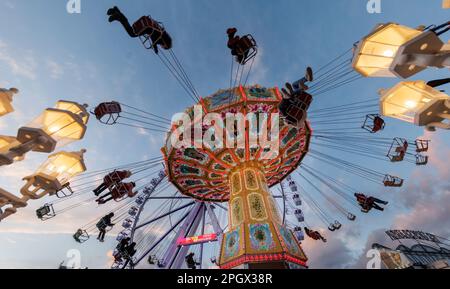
(108, 112)
(422, 145)
(421, 160)
(373, 123)
(351, 217)
(398, 150)
(151, 32)
(294, 109)
(151, 259)
(63, 193)
(81, 236)
(331, 228)
(392, 181)
(46, 212)
(246, 48)
(337, 225)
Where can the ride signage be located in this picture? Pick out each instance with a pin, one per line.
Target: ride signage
(414, 235)
(197, 239)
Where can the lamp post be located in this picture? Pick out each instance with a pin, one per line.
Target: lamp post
(393, 50)
(57, 126)
(52, 176)
(416, 102)
(6, 97)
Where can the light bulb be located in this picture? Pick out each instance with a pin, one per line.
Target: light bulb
(410, 104)
(53, 129)
(388, 53)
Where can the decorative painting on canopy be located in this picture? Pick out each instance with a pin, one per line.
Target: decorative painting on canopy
(213, 167)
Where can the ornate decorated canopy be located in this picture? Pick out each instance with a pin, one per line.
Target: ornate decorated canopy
(203, 173)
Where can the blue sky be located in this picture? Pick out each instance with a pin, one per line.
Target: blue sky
(50, 55)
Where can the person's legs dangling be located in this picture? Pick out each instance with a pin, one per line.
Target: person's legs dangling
(101, 188)
(380, 201)
(377, 207)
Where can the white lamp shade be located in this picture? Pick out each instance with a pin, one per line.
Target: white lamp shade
(375, 53)
(407, 99)
(63, 166)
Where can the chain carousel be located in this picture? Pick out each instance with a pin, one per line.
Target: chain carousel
(243, 205)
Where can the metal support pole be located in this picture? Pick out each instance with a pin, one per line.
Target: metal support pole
(181, 252)
(164, 215)
(160, 240)
(203, 232)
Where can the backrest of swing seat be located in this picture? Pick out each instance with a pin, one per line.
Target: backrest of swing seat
(245, 44)
(144, 23)
(107, 108)
(43, 211)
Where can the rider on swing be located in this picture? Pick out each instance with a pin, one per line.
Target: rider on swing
(145, 26)
(296, 101)
(104, 223)
(368, 203)
(118, 192)
(112, 179)
(190, 261)
(315, 235)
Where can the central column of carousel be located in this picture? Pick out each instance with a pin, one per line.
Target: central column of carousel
(256, 239)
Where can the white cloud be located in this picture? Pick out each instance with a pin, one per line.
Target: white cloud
(56, 70)
(24, 66)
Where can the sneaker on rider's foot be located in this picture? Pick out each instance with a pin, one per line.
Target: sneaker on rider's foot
(290, 88)
(309, 74)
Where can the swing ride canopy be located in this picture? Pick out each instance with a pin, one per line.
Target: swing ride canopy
(204, 173)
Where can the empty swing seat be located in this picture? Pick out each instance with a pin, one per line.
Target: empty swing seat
(108, 112)
(422, 145)
(392, 181)
(421, 160)
(351, 217)
(337, 225)
(45, 212)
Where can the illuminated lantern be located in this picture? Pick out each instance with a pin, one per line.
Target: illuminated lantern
(6, 97)
(418, 103)
(54, 174)
(446, 4)
(393, 50)
(55, 127)
(6, 142)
